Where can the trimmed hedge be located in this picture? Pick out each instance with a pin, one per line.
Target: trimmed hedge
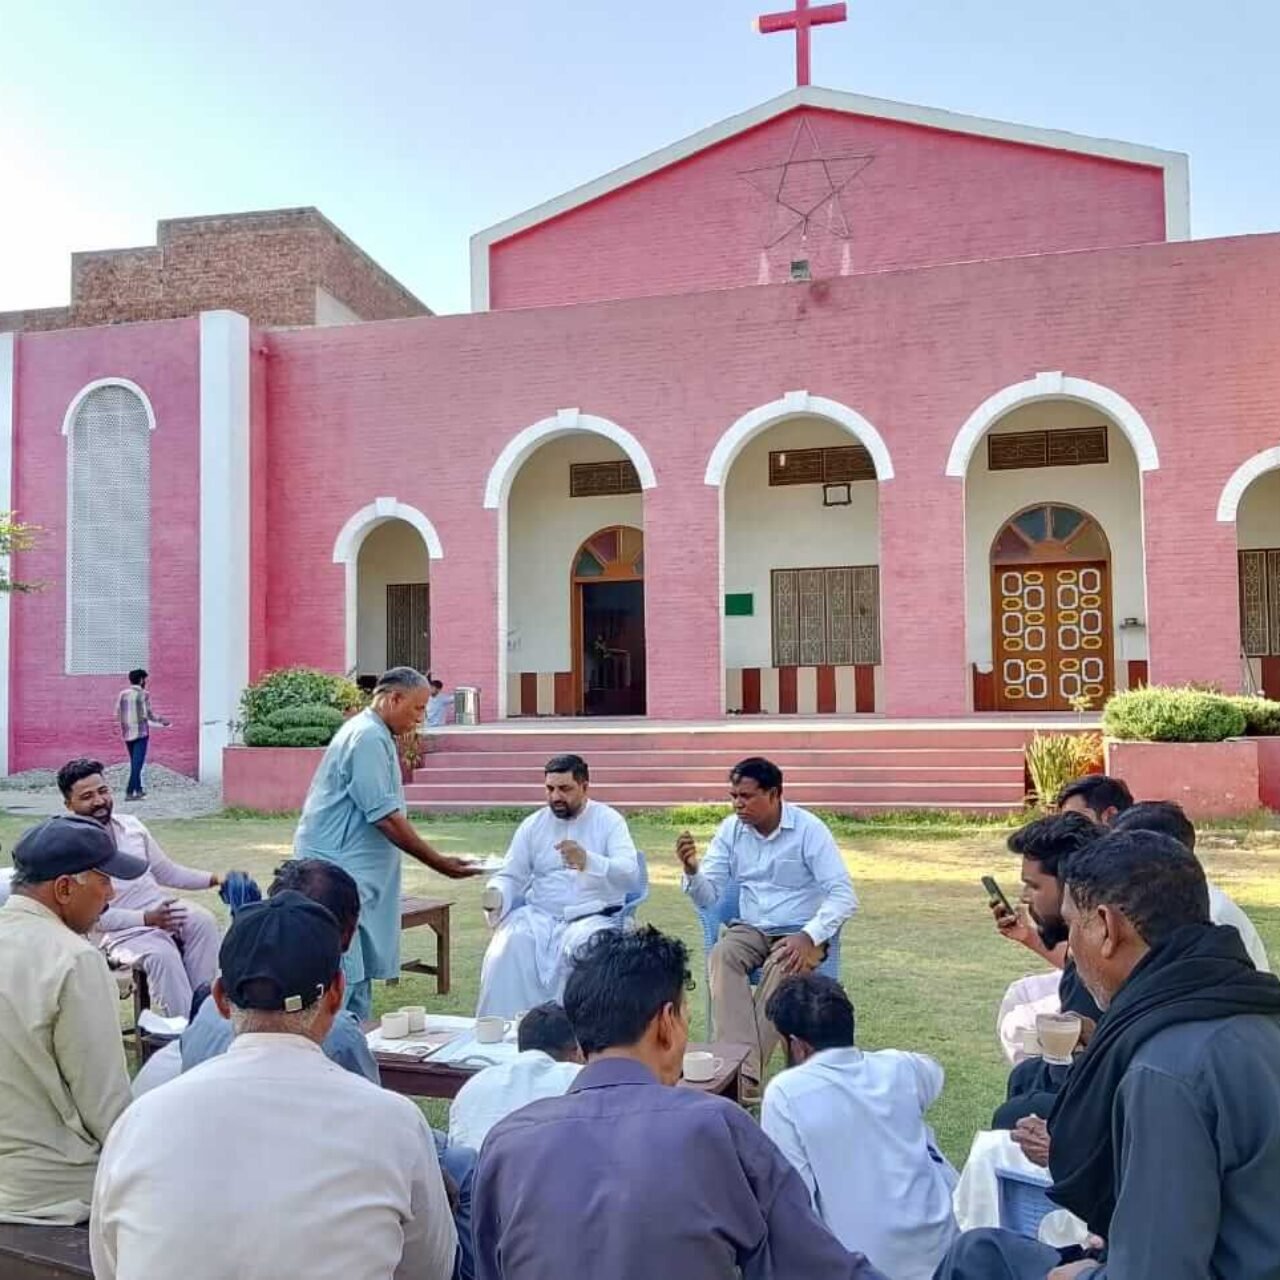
(297, 707)
(309, 715)
(1261, 716)
(1172, 715)
(306, 735)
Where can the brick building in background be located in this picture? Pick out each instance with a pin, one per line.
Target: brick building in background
(277, 267)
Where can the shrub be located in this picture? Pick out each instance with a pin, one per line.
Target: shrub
(1261, 716)
(309, 715)
(1054, 759)
(303, 735)
(296, 707)
(1172, 715)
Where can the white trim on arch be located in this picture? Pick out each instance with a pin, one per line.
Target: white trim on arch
(346, 551)
(565, 422)
(793, 404)
(69, 417)
(1053, 386)
(1241, 478)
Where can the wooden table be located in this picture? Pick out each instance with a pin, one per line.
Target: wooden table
(433, 912)
(44, 1253)
(427, 1079)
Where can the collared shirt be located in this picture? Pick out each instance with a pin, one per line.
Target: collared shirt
(357, 785)
(791, 879)
(1222, 910)
(852, 1124)
(63, 1080)
(133, 710)
(269, 1161)
(134, 898)
(627, 1179)
(437, 709)
(535, 870)
(494, 1093)
(210, 1034)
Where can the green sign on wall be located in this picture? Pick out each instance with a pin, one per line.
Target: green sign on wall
(740, 605)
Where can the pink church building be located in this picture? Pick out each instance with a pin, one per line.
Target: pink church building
(836, 409)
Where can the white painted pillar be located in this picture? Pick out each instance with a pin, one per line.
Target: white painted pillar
(224, 530)
(8, 392)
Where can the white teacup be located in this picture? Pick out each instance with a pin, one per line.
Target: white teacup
(1030, 1041)
(417, 1015)
(491, 1030)
(395, 1026)
(700, 1066)
(1058, 1034)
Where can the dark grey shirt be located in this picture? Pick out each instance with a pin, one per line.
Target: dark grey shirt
(626, 1179)
(1197, 1134)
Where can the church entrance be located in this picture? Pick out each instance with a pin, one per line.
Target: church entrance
(608, 624)
(1051, 597)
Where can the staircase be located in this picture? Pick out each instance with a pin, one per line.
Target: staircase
(974, 766)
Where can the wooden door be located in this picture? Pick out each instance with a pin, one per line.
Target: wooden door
(607, 624)
(408, 625)
(1052, 635)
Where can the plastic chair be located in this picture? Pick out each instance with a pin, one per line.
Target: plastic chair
(1024, 1202)
(637, 895)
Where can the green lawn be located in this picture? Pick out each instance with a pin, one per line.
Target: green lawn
(921, 960)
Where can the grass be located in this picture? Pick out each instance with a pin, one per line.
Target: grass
(921, 960)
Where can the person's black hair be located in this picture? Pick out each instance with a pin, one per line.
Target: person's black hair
(137, 675)
(437, 685)
(1165, 816)
(77, 771)
(620, 981)
(1153, 879)
(1051, 841)
(764, 773)
(813, 1008)
(575, 765)
(1099, 793)
(547, 1027)
(323, 882)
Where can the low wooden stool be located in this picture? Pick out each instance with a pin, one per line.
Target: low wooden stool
(433, 912)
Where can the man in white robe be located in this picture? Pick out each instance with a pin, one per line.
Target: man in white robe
(566, 875)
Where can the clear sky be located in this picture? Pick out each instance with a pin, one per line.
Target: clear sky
(412, 125)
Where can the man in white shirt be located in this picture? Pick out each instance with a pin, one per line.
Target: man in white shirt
(547, 1064)
(572, 863)
(853, 1125)
(175, 942)
(795, 896)
(63, 1080)
(269, 1160)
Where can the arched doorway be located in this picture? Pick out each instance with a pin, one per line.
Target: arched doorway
(1257, 518)
(608, 623)
(1051, 610)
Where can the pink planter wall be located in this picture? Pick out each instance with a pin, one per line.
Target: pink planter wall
(269, 779)
(1269, 771)
(1209, 779)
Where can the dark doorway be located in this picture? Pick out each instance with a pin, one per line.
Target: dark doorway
(613, 667)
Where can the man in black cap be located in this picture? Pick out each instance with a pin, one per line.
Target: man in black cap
(269, 1160)
(63, 1080)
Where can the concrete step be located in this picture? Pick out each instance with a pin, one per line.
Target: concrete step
(993, 807)
(716, 778)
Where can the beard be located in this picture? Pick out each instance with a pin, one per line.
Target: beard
(1053, 933)
(102, 814)
(562, 809)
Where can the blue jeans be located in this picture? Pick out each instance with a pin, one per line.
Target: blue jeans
(137, 758)
(460, 1164)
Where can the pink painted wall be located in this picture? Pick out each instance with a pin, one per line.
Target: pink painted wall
(1208, 779)
(268, 779)
(55, 716)
(1269, 772)
(927, 197)
(259, 539)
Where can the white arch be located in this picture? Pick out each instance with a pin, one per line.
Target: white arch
(1053, 386)
(70, 415)
(566, 422)
(792, 404)
(346, 551)
(1241, 478)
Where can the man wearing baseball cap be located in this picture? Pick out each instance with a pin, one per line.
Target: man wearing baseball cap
(63, 1080)
(270, 1160)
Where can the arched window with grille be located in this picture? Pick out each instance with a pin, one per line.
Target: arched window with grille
(108, 430)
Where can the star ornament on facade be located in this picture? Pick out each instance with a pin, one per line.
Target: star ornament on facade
(805, 190)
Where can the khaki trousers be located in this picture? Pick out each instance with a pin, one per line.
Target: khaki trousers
(737, 1013)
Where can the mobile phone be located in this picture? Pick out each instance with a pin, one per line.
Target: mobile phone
(996, 894)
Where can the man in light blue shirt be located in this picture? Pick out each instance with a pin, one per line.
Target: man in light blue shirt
(437, 704)
(795, 895)
(355, 815)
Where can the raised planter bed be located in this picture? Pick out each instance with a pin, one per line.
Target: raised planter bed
(1208, 779)
(268, 779)
(1269, 771)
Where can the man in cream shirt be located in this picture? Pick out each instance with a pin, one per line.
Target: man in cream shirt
(269, 1160)
(63, 1081)
(573, 864)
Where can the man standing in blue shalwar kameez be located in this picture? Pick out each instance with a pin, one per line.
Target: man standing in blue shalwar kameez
(355, 816)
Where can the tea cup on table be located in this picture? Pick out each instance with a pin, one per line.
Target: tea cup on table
(491, 1030)
(1058, 1033)
(395, 1026)
(417, 1015)
(701, 1066)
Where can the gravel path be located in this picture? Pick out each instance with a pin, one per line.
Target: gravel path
(169, 794)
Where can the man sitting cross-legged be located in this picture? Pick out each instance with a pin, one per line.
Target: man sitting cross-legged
(547, 1064)
(573, 864)
(1166, 1137)
(853, 1125)
(176, 943)
(269, 1160)
(625, 1178)
(63, 1081)
(795, 894)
